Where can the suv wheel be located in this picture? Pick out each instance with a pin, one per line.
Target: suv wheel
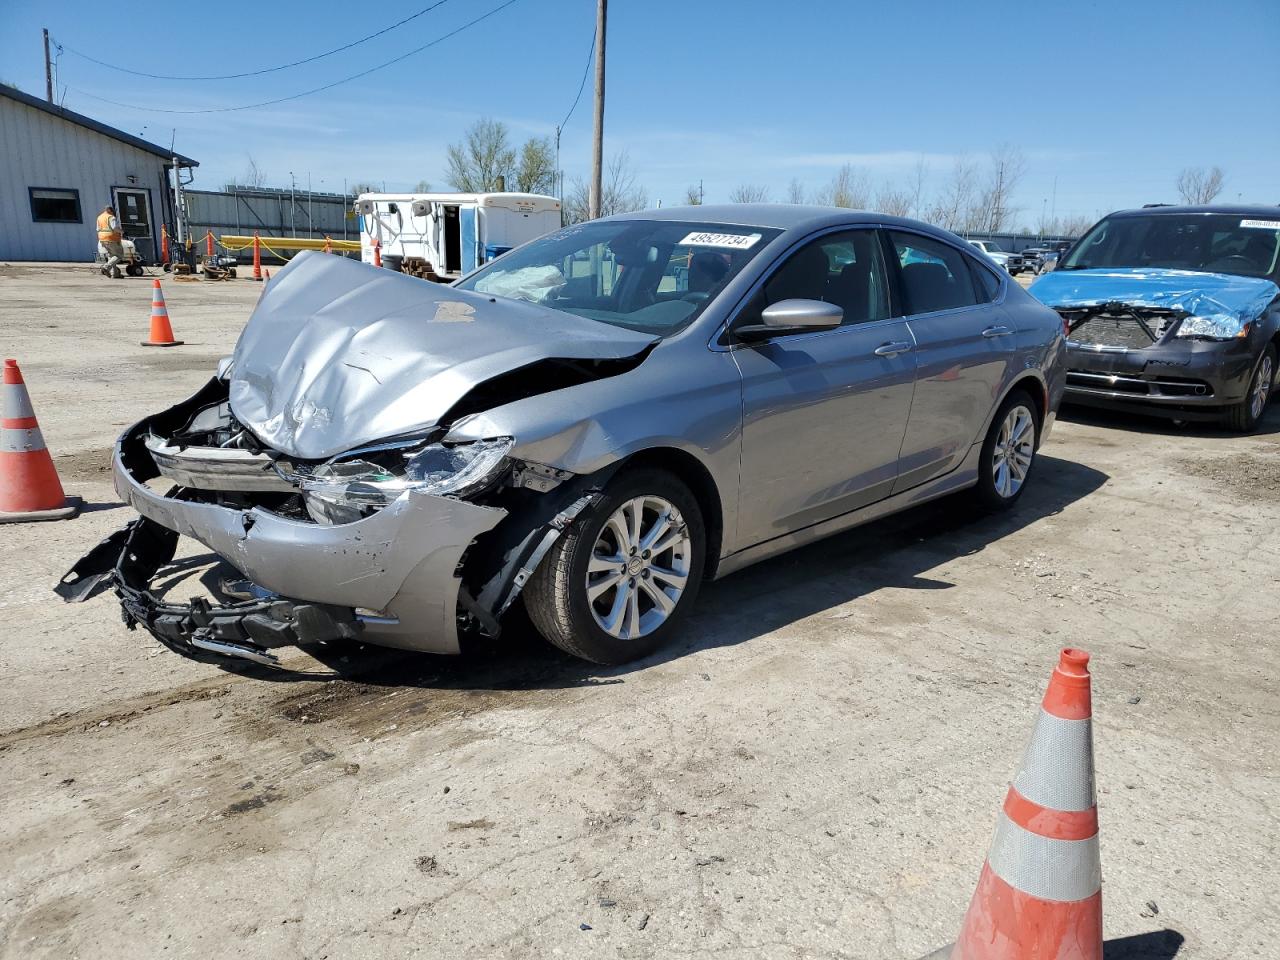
(616, 585)
(1244, 416)
(1008, 453)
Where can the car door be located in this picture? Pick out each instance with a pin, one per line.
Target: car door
(964, 347)
(823, 413)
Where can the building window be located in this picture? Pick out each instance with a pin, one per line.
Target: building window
(54, 206)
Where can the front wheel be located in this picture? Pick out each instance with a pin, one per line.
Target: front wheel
(616, 585)
(1008, 453)
(1244, 416)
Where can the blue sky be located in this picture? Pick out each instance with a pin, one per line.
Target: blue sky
(1109, 99)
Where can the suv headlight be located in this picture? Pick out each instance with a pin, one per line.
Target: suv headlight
(1215, 326)
(345, 491)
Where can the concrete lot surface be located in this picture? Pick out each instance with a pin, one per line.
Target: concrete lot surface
(815, 772)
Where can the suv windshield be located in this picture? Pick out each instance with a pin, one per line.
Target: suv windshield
(649, 275)
(1212, 243)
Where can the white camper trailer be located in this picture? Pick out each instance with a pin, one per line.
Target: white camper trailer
(442, 236)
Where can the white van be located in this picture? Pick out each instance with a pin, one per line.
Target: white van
(443, 236)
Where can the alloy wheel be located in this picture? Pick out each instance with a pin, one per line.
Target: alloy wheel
(1015, 446)
(639, 567)
(1261, 386)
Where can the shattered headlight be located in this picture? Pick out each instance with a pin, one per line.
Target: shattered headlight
(345, 491)
(1215, 326)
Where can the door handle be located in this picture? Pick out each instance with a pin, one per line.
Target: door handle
(892, 349)
(996, 332)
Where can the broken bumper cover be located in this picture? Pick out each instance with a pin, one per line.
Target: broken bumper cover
(1186, 381)
(130, 558)
(395, 572)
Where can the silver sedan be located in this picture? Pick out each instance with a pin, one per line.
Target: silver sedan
(593, 424)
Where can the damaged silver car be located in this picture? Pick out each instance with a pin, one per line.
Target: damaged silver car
(592, 424)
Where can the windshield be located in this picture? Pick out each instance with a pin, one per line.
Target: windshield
(1212, 243)
(650, 275)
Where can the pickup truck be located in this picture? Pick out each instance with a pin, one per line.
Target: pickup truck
(1010, 262)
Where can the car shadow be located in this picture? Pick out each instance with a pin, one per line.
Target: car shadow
(1268, 424)
(1157, 945)
(894, 552)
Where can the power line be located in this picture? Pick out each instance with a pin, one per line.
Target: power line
(252, 73)
(307, 93)
(586, 71)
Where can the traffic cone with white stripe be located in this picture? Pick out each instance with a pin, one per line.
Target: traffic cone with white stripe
(29, 484)
(161, 331)
(1039, 896)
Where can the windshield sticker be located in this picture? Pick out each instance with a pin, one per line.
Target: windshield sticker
(1261, 224)
(734, 241)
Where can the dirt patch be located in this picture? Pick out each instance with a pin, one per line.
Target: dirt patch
(86, 720)
(1244, 475)
(373, 710)
(83, 467)
(256, 802)
(172, 360)
(480, 824)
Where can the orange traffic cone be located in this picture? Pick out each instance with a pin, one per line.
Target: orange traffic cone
(161, 331)
(1040, 891)
(29, 485)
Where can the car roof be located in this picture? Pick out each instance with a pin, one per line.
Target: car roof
(1233, 209)
(779, 216)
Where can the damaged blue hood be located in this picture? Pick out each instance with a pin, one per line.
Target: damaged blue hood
(1210, 295)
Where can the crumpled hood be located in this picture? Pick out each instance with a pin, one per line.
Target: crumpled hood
(1199, 294)
(338, 353)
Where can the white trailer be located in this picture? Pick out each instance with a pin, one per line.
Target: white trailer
(442, 236)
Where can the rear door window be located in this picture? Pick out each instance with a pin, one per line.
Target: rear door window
(935, 275)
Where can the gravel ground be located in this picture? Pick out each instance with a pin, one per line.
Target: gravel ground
(815, 772)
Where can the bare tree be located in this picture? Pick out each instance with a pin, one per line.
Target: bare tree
(919, 175)
(951, 208)
(620, 192)
(422, 186)
(993, 210)
(848, 188)
(795, 191)
(536, 171)
(1076, 224)
(693, 195)
(360, 186)
(254, 175)
(749, 193)
(893, 201)
(1196, 185)
(484, 159)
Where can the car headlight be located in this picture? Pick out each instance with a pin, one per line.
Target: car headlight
(1215, 326)
(345, 491)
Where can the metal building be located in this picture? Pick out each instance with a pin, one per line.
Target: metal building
(58, 169)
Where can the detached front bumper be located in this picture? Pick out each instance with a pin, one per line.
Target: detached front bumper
(394, 573)
(1195, 380)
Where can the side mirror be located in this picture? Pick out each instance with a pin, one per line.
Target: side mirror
(792, 316)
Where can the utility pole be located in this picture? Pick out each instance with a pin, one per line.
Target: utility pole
(597, 144)
(48, 69)
(999, 198)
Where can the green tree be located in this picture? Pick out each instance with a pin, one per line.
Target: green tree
(536, 171)
(484, 160)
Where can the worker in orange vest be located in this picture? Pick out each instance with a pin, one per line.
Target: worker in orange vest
(109, 237)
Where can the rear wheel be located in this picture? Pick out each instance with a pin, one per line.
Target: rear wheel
(1244, 415)
(616, 585)
(1008, 453)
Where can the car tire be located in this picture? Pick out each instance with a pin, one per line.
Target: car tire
(595, 588)
(1244, 416)
(1004, 468)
